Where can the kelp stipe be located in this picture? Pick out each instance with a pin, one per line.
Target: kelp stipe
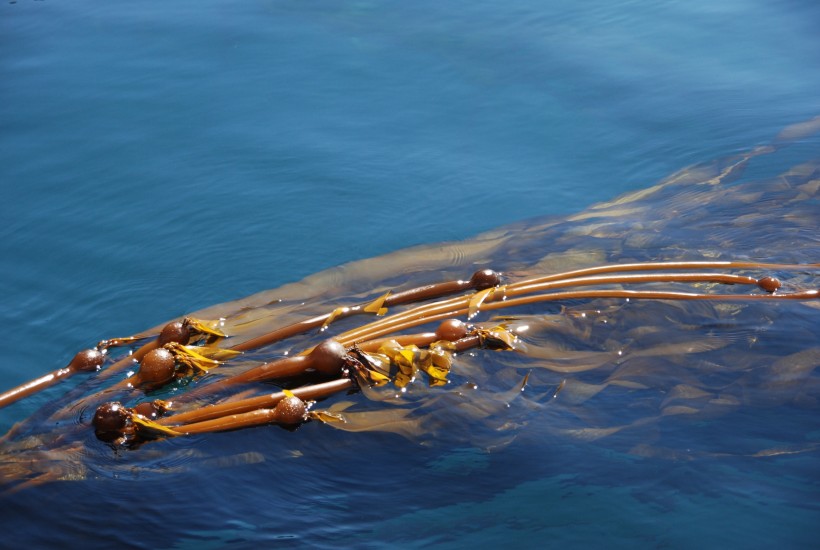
(559, 310)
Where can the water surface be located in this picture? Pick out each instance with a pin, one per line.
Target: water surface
(160, 158)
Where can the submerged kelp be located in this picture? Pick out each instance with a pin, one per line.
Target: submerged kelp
(691, 302)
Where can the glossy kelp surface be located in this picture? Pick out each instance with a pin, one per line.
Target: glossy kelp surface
(669, 386)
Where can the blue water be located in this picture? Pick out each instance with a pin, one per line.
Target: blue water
(157, 157)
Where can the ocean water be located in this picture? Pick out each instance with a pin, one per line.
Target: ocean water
(158, 158)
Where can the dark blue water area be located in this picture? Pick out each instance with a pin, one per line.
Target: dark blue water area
(159, 157)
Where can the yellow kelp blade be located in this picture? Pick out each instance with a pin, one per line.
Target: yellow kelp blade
(335, 314)
(408, 360)
(385, 420)
(370, 369)
(575, 392)
(377, 305)
(188, 355)
(404, 360)
(486, 404)
(373, 377)
(681, 348)
(212, 352)
(326, 416)
(205, 327)
(497, 338)
(436, 363)
(480, 297)
(683, 393)
(151, 428)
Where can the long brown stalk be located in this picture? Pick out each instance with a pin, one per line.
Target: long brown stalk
(517, 294)
(488, 295)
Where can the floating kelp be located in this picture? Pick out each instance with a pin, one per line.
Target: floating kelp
(688, 301)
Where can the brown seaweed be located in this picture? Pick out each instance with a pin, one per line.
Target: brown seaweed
(642, 299)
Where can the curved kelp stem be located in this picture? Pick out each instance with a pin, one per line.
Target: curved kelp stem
(89, 360)
(330, 357)
(563, 287)
(485, 280)
(182, 332)
(364, 357)
(487, 291)
(267, 409)
(300, 364)
(480, 280)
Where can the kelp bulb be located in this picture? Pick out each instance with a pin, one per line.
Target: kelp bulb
(291, 410)
(769, 284)
(484, 279)
(328, 357)
(177, 331)
(110, 418)
(157, 367)
(88, 360)
(451, 330)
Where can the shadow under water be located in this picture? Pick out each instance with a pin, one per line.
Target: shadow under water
(688, 369)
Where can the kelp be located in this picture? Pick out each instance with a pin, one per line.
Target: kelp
(691, 300)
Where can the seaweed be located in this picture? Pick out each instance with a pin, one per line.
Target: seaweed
(641, 300)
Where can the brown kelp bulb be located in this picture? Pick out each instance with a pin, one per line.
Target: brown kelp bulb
(769, 284)
(291, 410)
(149, 410)
(177, 331)
(157, 367)
(88, 360)
(328, 357)
(451, 330)
(485, 278)
(110, 418)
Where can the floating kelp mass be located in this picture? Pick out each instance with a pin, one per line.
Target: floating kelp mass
(666, 300)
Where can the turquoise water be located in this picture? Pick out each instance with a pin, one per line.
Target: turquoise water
(160, 157)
